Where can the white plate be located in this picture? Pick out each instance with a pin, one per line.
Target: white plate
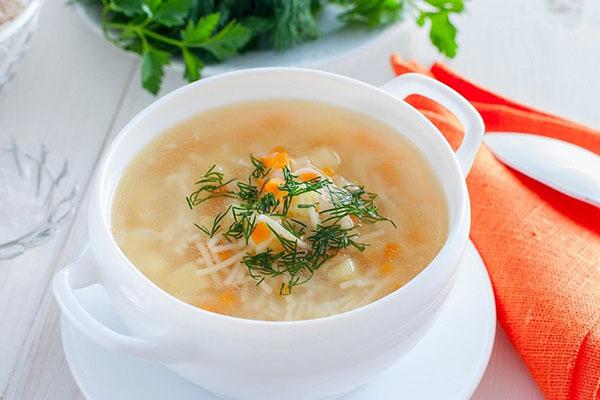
(447, 364)
(336, 43)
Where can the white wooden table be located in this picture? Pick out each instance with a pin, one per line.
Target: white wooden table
(75, 91)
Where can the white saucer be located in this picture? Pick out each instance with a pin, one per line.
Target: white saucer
(447, 364)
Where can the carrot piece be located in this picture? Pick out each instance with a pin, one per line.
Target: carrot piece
(386, 269)
(328, 171)
(229, 298)
(275, 160)
(391, 250)
(260, 233)
(224, 255)
(272, 186)
(308, 176)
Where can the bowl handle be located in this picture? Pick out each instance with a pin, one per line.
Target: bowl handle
(413, 83)
(82, 273)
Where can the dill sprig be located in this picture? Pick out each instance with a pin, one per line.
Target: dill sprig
(294, 187)
(244, 221)
(263, 264)
(260, 170)
(354, 201)
(212, 186)
(216, 225)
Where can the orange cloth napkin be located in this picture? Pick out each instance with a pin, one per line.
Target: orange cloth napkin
(541, 248)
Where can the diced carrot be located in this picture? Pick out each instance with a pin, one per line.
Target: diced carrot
(328, 171)
(224, 255)
(391, 250)
(308, 176)
(275, 160)
(386, 269)
(260, 233)
(272, 186)
(229, 298)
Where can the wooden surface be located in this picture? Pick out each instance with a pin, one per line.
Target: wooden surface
(75, 91)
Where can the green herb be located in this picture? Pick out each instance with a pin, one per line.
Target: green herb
(373, 13)
(243, 225)
(354, 201)
(324, 242)
(201, 32)
(442, 31)
(293, 187)
(299, 265)
(211, 186)
(216, 225)
(260, 171)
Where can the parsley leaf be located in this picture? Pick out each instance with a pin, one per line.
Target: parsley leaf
(130, 8)
(199, 32)
(153, 62)
(173, 12)
(193, 65)
(442, 31)
(227, 41)
(373, 13)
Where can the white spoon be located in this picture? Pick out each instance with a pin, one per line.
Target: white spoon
(563, 166)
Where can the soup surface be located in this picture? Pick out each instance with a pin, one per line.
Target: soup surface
(279, 210)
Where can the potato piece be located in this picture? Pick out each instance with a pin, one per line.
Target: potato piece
(304, 198)
(324, 157)
(343, 271)
(300, 162)
(184, 280)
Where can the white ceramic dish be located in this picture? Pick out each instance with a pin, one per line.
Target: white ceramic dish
(233, 357)
(337, 42)
(15, 36)
(446, 364)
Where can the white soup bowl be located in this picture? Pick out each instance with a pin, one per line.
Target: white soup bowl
(257, 360)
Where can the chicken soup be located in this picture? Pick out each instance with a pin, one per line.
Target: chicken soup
(279, 210)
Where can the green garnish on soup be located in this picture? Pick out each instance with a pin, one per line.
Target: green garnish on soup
(292, 222)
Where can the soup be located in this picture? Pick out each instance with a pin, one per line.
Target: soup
(279, 210)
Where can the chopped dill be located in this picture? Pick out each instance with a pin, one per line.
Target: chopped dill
(293, 187)
(260, 170)
(244, 221)
(354, 201)
(216, 225)
(212, 185)
(325, 240)
(294, 226)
